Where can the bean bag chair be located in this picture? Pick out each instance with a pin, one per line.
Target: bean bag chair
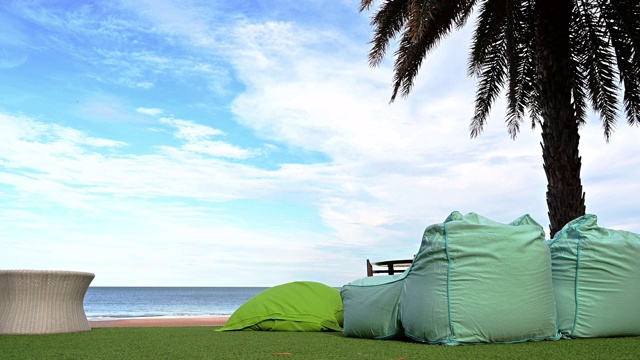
(472, 280)
(296, 306)
(596, 279)
(372, 304)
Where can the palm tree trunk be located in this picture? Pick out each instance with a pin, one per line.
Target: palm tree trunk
(560, 137)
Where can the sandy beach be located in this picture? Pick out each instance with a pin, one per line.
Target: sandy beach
(159, 322)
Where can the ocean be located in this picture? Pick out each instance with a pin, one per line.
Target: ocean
(107, 303)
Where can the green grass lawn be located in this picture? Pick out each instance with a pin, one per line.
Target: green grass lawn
(204, 343)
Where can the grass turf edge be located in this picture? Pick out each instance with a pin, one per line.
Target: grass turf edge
(205, 343)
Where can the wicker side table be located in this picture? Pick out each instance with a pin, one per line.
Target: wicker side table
(43, 301)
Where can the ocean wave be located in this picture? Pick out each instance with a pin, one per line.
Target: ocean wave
(155, 316)
(109, 303)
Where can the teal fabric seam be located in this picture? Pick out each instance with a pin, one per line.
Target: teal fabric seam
(575, 282)
(446, 249)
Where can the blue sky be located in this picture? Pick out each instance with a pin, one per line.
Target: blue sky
(248, 143)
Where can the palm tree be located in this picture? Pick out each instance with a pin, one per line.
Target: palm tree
(551, 57)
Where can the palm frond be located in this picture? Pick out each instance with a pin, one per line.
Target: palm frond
(627, 18)
(622, 19)
(600, 65)
(579, 40)
(388, 21)
(491, 82)
(419, 12)
(605, 54)
(520, 61)
(464, 14)
(412, 49)
(488, 60)
(578, 35)
(490, 22)
(365, 5)
(409, 58)
(535, 109)
(530, 86)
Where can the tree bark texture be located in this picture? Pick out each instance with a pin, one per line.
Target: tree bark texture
(560, 137)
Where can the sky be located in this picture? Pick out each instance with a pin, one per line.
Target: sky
(249, 143)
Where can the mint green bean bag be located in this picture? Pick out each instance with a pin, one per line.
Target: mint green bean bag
(296, 306)
(596, 279)
(472, 280)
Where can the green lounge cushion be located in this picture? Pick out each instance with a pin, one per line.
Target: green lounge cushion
(596, 279)
(295, 306)
(473, 280)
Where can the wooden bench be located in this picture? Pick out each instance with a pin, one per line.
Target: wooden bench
(388, 267)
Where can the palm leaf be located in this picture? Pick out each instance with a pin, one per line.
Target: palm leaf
(600, 65)
(388, 22)
(442, 16)
(520, 61)
(578, 39)
(488, 60)
(622, 20)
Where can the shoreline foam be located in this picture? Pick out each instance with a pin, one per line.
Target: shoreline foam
(159, 322)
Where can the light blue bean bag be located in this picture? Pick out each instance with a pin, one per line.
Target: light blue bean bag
(596, 279)
(473, 280)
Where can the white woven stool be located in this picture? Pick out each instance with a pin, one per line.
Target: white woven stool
(43, 301)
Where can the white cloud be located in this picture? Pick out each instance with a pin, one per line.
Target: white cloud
(21, 131)
(178, 18)
(217, 148)
(191, 131)
(150, 111)
(196, 139)
(333, 103)
(114, 48)
(108, 209)
(145, 85)
(100, 107)
(13, 44)
(388, 171)
(64, 158)
(161, 248)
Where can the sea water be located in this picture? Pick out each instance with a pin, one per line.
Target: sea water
(106, 303)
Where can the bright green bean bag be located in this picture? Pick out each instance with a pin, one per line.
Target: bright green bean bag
(296, 306)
